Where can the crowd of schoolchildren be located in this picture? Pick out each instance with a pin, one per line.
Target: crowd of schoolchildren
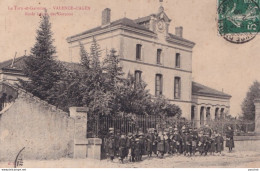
(172, 141)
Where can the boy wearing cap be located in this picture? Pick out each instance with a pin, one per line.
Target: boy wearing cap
(137, 150)
(194, 141)
(142, 145)
(161, 144)
(177, 141)
(122, 148)
(155, 143)
(201, 141)
(149, 143)
(189, 142)
(213, 144)
(219, 143)
(117, 137)
(111, 145)
(207, 143)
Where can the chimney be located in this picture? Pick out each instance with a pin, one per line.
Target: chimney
(178, 31)
(106, 16)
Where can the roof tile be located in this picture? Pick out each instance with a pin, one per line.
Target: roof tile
(199, 89)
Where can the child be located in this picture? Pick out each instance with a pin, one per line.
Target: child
(201, 142)
(161, 145)
(137, 150)
(219, 142)
(212, 144)
(111, 145)
(207, 143)
(177, 141)
(194, 141)
(149, 145)
(122, 148)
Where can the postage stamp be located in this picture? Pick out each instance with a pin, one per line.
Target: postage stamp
(238, 20)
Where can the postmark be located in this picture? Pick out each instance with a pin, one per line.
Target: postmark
(238, 20)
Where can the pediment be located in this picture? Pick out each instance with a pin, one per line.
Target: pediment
(162, 16)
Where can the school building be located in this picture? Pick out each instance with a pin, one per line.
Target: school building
(148, 51)
(162, 59)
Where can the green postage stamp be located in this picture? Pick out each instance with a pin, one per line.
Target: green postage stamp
(238, 20)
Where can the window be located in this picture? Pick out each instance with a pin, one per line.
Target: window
(138, 51)
(138, 76)
(177, 87)
(158, 85)
(159, 54)
(192, 113)
(178, 60)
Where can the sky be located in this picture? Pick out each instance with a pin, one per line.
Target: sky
(216, 63)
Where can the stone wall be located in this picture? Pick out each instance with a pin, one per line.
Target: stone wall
(247, 143)
(44, 131)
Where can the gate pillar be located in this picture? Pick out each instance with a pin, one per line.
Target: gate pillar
(84, 147)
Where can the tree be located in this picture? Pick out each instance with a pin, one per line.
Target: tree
(68, 90)
(248, 107)
(133, 97)
(113, 74)
(41, 68)
(84, 57)
(162, 107)
(94, 96)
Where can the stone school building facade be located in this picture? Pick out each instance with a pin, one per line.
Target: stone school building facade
(163, 60)
(148, 51)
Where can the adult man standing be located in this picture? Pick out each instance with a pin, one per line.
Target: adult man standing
(229, 139)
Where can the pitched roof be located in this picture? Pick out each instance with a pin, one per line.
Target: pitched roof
(130, 23)
(180, 38)
(199, 89)
(19, 62)
(143, 19)
(123, 21)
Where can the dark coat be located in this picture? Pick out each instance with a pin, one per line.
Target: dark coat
(142, 145)
(161, 145)
(155, 143)
(137, 149)
(219, 143)
(213, 145)
(149, 143)
(201, 143)
(122, 147)
(194, 142)
(111, 146)
(230, 139)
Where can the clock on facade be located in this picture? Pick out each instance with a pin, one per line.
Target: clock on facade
(160, 25)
